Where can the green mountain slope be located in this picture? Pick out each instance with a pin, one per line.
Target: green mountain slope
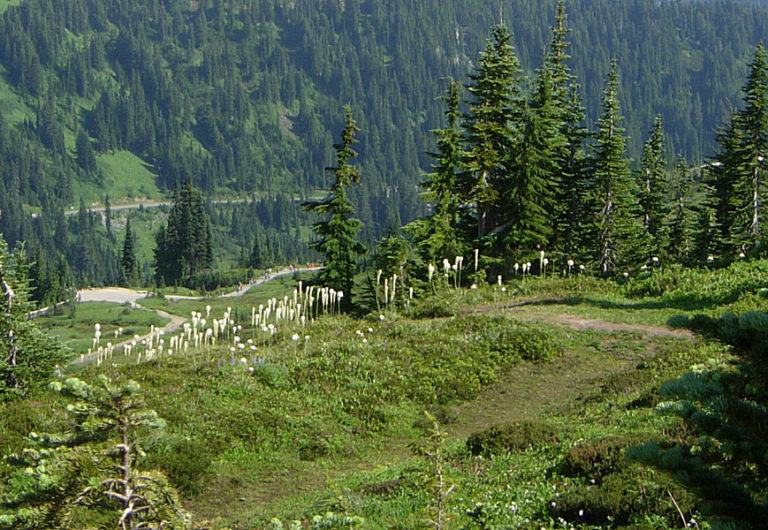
(246, 95)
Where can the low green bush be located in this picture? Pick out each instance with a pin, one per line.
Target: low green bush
(527, 344)
(517, 436)
(624, 499)
(595, 459)
(312, 449)
(185, 462)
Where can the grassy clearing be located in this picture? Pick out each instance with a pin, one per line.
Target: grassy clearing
(12, 107)
(5, 4)
(327, 422)
(126, 177)
(77, 332)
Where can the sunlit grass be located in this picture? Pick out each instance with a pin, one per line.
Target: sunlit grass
(77, 332)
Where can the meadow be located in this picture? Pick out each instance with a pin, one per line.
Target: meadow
(523, 401)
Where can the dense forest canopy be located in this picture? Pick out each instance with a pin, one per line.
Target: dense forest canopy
(245, 95)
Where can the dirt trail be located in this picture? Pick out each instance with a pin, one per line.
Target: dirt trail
(530, 310)
(530, 389)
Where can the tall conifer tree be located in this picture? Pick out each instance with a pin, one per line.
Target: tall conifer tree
(337, 241)
(183, 246)
(491, 125)
(530, 191)
(680, 241)
(613, 194)
(723, 169)
(570, 156)
(749, 227)
(128, 260)
(653, 188)
(437, 235)
(740, 168)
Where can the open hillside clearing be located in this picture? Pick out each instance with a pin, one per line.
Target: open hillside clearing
(326, 421)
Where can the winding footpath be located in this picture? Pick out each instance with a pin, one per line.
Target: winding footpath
(122, 295)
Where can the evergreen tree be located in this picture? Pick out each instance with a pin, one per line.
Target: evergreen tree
(739, 167)
(723, 170)
(705, 237)
(530, 190)
(84, 155)
(27, 355)
(128, 260)
(183, 246)
(615, 228)
(437, 235)
(337, 241)
(491, 125)
(653, 188)
(571, 155)
(256, 257)
(750, 201)
(94, 471)
(680, 242)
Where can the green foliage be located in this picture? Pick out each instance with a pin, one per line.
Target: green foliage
(437, 234)
(725, 463)
(184, 245)
(93, 468)
(652, 197)
(613, 229)
(512, 437)
(27, 355)
(595, 459)
(739, 170)
(128, 260)
(337, 241)
(625, 499)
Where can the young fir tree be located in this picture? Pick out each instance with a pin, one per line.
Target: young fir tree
(653, 188)
(615, 227)
(571, 156)
(256, 257)
(491, 127)
(337, 233)
(93, 475)
(129, 263)
(27, 355)
(722, 169)
(680, 242)
(705, 237)
(437, 235)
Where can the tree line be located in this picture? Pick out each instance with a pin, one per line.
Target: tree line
(518, 178)
(242, 94)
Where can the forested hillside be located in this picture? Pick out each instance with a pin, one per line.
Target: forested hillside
(245, 96)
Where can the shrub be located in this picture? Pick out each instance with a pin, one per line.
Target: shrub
(622, 498)
(594, 459)
(526, 344)
(435, 307)
(678, 321)
(517, 436)
(185, 462)
(310, 450)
